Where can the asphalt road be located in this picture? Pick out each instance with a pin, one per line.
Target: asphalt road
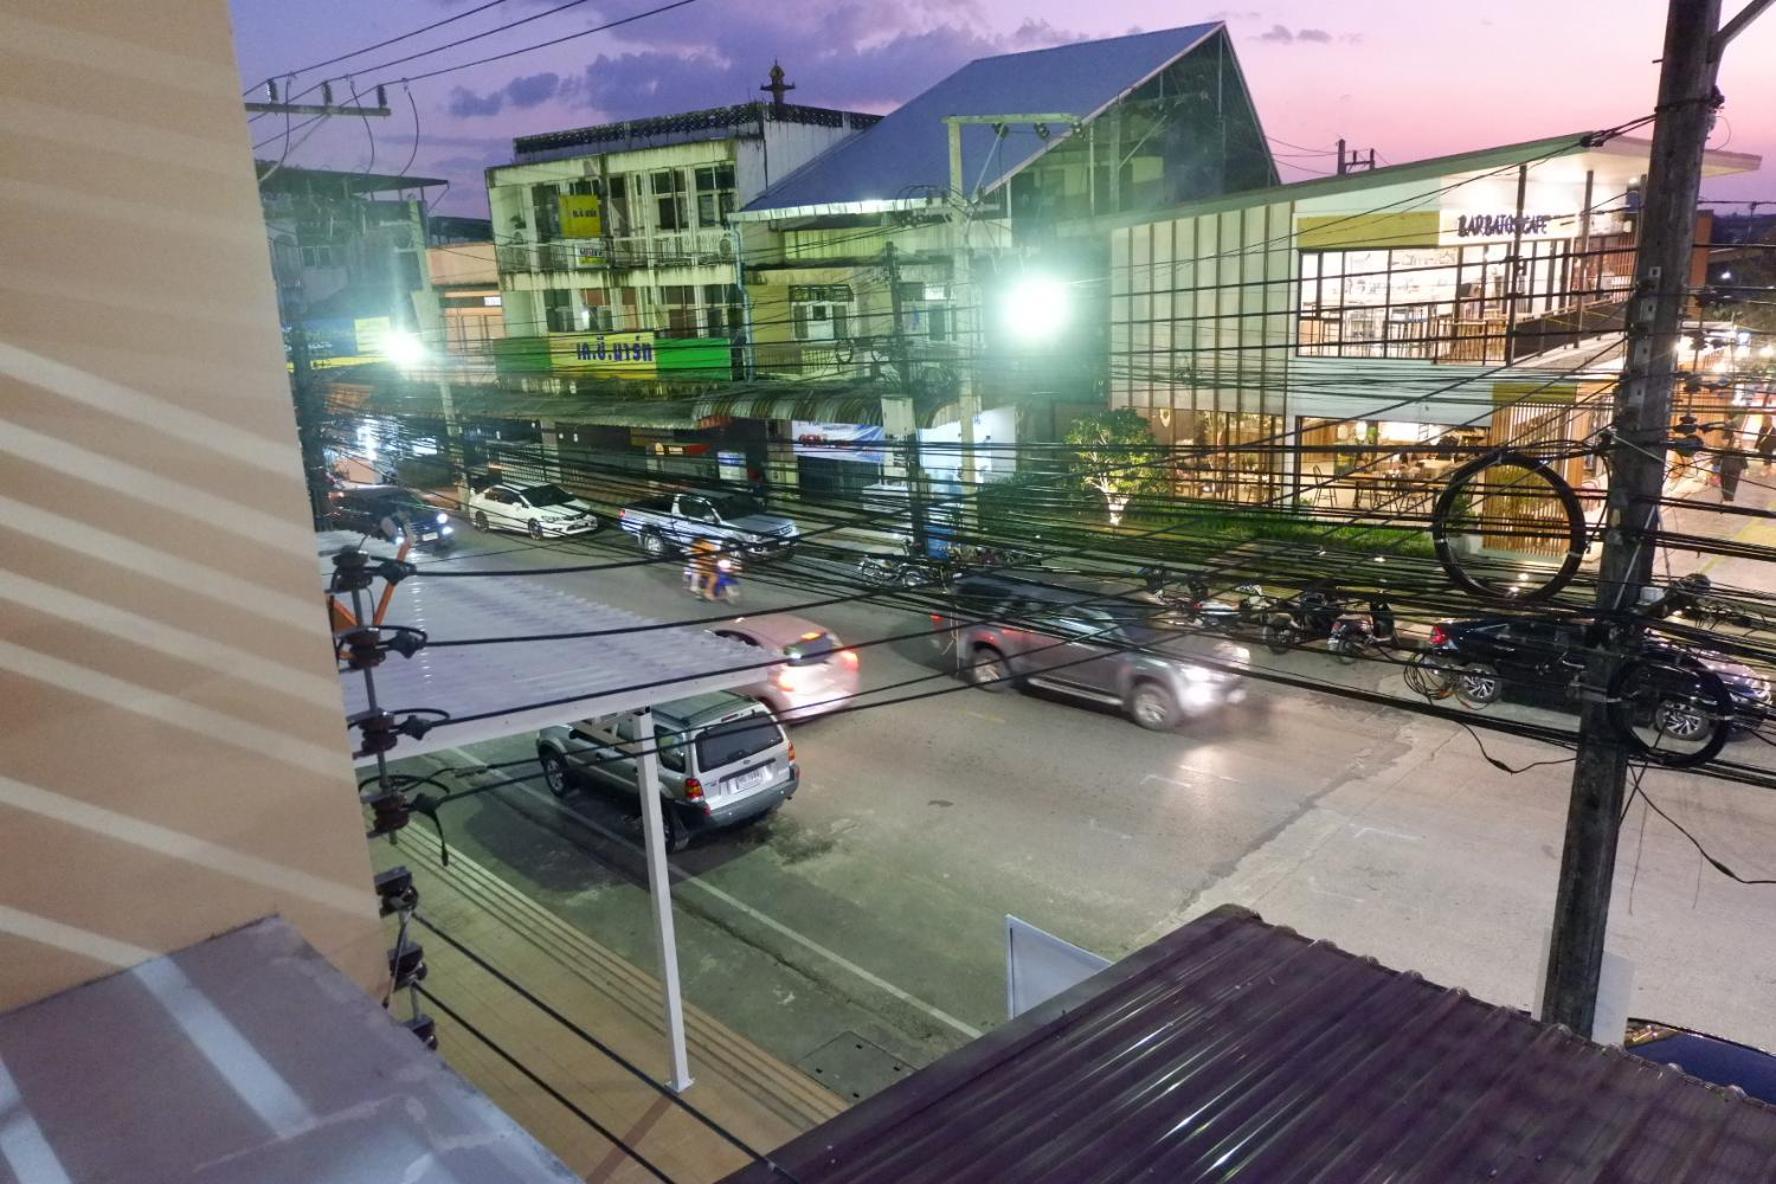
(873, 904)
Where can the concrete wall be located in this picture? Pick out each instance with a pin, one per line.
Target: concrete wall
(173, 761)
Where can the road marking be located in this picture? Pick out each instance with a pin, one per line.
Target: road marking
(741, 906)
(992, 719)
(1360, 831)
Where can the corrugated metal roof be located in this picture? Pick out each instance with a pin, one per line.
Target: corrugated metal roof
(1232, 1050)
(245, 1057)
(909, 150)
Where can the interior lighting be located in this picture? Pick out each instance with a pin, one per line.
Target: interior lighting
(1036, 307)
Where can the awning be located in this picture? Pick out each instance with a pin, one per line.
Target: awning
(847, 406)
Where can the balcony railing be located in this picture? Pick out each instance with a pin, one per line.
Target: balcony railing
(687, 248)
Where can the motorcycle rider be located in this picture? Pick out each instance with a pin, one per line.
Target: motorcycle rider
(704, 554)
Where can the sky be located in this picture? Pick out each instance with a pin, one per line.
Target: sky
(1409, 79)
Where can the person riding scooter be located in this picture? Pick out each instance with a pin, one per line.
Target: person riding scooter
(704, 554)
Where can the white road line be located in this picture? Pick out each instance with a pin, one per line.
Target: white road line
(807, 943)
(992, 719)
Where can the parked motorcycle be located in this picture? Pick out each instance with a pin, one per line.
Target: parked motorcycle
(1309, 616)
(1189, 597)
(1354, 635)
(906, 570)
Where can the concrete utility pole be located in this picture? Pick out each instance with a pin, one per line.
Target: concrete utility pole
(969, 307)
(897, 345)
(1642, 424)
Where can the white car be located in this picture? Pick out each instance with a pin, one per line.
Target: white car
(541, 511)
(820, 676)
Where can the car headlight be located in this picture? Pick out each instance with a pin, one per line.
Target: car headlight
(447, 530)
(442, 517)
(1197, 674)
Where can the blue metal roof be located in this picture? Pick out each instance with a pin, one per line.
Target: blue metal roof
(909, 151)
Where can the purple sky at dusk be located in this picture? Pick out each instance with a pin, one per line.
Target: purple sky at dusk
(1409, 79)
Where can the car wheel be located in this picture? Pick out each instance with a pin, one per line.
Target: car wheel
(653, 544)
(535, 529)
(672, 830)
(556, 774)
(1681, 720)
(988, 669)
(1478, 684)
(481, 520)
(1153, 707)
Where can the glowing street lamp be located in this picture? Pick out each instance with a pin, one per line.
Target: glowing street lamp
(402, 348)
(1036, 307)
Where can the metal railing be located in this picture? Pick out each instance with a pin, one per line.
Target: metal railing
(684, 248)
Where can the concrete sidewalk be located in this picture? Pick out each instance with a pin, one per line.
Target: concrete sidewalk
(758, 1098)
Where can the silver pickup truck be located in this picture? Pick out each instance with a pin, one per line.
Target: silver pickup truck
(733, 521)
(723, 759)
(1089, 641)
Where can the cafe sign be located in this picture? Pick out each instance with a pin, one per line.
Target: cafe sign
(1512, 225)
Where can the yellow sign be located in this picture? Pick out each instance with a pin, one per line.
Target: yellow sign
(619, 355)
(1409, 228)
(1511, 393)
(582, 215)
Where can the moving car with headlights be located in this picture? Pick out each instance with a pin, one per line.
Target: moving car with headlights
(389, 513)
(722, 757)
(736, 522)
(541, 511)
(819, 674)
(1087, 640)
(1544, 658)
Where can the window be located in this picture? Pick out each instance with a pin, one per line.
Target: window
(599, 316)
(725, 744)
(715, 194)
(558, 311)
(669, 747)
(668, 186)
(545, 210)
(820, 312)
(616, 206)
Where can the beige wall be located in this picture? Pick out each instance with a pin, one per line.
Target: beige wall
(172, 758)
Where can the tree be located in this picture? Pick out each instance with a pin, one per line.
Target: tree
(1115, 454)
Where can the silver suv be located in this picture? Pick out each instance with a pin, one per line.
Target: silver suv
(1087, 640)
(723, 760)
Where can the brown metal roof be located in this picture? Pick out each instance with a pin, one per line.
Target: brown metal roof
(1232, 1050)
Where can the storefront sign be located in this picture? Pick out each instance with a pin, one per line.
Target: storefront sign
(1507, 225)
(625, 355)
(862, 442)
(345, 341)
(582, 215)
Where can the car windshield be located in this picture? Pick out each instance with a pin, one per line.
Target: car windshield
(736, 506)
(546, 495)
(736, 740)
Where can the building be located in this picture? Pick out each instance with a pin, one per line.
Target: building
(1368, 317)
(904, 262)
(614, 239)
(465, 284)
(348, 251)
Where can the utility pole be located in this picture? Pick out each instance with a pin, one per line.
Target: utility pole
(308, 423)
(1350, 162)
(897, 345)
(1642, 424)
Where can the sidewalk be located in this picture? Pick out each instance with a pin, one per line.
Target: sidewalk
(756, 1097)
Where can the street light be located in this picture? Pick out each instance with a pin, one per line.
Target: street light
(1036, 307)
(402, 348)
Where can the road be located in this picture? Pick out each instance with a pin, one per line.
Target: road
(873, 905)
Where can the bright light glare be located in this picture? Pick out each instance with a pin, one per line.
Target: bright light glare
(403, 348)
(1036, 307)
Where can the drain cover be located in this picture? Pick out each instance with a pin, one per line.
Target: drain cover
(852, 1067)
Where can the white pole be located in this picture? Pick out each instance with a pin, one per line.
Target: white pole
(647, 768)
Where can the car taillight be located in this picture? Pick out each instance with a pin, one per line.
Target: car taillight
(849, 658)
(1439, 635)
(693, 790)
(792, 752)
(786, 679)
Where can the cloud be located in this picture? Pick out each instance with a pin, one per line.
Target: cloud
(860, 54)
(466, 104)
(526, 91)
(533, 89)
(1283, 35)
